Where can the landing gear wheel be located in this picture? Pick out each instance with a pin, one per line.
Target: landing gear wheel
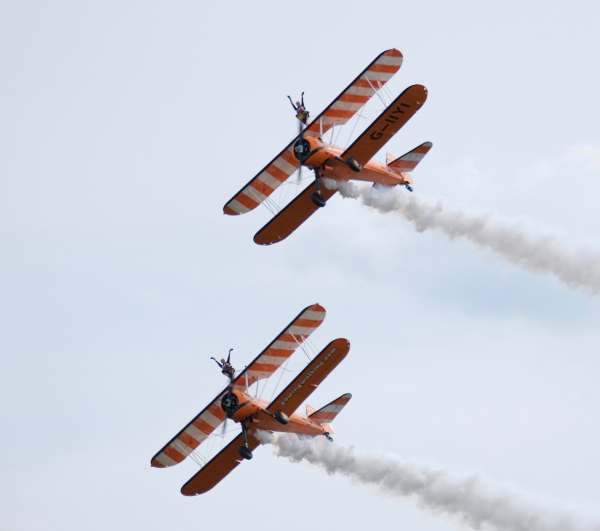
(245, 452)
(317, 199)
(281, 417)
(354, 165)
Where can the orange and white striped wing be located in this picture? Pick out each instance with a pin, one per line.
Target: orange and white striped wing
(283, 346)
(326, 414)
(264, 184)
(201, 426)
(357, 93)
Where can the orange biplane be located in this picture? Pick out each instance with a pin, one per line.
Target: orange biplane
(327, 161)
(235, 403)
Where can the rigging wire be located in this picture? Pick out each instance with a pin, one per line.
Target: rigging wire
(197, 458)
(268, 206)
(359, 116)
(311, 346)
(279, 380)
(375, 91)
(300, 342)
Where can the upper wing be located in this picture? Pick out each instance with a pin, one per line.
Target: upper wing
(357, 93)
(292, 216)
(387, 124)
(200, 427)
(283, 346)
(218, 467)
(344, 107)
(309, 379)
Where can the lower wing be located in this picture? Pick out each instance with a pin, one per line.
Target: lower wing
(292, 216)
(218, 467)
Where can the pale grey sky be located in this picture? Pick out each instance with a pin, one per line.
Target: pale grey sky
(127, 125)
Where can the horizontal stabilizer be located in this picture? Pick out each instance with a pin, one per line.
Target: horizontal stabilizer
(408, 162)
(326, 414)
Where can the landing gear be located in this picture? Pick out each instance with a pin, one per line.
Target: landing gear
(281, 417)
(244, 450)
(354, 165)
(317, 199)
(328, 437)
(316, 196)
(408, 187)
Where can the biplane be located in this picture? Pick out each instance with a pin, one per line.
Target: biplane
(252, 414)
(327, 161)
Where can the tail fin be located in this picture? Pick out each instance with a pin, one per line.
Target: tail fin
(326, 414)
(408, 162)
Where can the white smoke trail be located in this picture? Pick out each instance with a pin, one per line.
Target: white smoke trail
(468, 499)
(538, 254)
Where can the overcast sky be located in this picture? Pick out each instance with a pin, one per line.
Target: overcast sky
(125, 127)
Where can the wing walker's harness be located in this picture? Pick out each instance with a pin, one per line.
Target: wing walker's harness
(225, 365)
(301, 113)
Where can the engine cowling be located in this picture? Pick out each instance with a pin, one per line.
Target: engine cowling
(230, 403)
(302, 149)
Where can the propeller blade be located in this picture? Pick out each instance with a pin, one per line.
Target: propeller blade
(301, 134)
